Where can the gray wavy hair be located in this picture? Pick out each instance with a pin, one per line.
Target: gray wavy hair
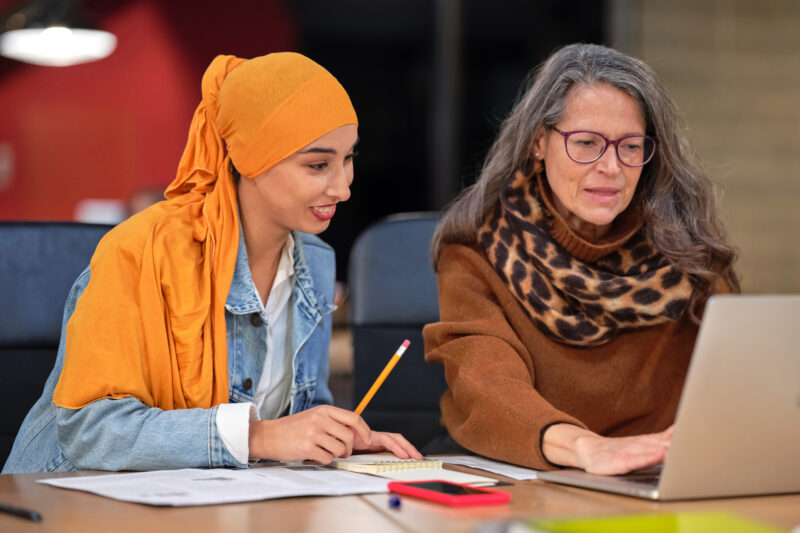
(677, 197)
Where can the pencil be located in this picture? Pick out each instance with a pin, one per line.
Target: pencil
(378, 382)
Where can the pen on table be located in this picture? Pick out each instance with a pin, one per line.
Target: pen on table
(394, 501)
(20, 512)
(378, 382)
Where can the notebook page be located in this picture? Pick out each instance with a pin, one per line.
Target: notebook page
(373, 463)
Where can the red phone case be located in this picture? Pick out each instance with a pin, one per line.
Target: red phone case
(487, 496)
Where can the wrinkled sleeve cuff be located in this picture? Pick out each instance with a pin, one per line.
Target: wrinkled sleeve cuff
(232, 431)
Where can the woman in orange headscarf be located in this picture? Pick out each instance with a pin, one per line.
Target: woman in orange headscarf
(199, 334)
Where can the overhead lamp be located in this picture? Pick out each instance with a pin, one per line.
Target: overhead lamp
(51, 40)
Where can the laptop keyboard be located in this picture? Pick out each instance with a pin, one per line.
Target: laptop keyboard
(647, 479)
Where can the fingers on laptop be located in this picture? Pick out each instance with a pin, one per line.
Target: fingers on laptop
(620, 455)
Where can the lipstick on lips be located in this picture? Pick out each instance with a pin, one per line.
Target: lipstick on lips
(324, 212)
(602, 194)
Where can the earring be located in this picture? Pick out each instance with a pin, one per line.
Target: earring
(537, 155)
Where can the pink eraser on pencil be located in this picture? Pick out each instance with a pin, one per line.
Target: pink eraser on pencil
(406, 343)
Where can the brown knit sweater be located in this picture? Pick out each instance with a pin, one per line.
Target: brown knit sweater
(508, 382)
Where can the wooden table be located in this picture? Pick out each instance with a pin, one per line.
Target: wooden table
(73, 511)
(539, 499)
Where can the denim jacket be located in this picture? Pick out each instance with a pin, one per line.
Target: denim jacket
(125, 434)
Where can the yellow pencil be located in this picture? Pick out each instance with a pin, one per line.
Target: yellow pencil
(378, 382)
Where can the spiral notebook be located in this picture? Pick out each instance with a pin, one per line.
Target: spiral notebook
(389, 466)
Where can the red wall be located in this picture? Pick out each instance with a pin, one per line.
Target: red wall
(108, 128)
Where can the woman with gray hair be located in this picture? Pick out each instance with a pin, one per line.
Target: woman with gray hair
(573, 273)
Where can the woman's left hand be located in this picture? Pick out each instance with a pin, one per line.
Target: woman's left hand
(380, 441)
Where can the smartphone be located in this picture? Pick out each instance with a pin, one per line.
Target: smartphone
(449, 493)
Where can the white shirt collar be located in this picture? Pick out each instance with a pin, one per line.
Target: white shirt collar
(286, 263)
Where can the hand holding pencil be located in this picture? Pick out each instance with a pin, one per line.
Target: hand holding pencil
(325, 432)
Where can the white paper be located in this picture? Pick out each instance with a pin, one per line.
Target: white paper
(496, 467)
(204, 487)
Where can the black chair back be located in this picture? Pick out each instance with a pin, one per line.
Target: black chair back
(392, 296)
(39, 261)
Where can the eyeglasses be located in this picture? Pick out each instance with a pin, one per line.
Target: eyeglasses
(589, 146)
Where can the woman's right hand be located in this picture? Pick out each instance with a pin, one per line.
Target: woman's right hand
(568, 445)
(320, 434)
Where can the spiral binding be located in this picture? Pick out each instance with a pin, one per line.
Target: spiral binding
(393, 466)
(386, 466)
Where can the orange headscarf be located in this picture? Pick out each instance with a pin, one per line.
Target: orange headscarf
(151, 322)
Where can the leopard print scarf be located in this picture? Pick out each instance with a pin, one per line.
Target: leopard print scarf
(572, 300)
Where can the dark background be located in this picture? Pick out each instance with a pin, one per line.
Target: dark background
(430, 81)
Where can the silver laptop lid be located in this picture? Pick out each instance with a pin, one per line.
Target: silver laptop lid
(738, 423)
(737, 429)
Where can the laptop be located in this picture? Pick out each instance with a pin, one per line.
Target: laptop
(737, 429)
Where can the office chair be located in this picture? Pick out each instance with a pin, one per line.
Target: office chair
(39, 261)
(392, 296)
